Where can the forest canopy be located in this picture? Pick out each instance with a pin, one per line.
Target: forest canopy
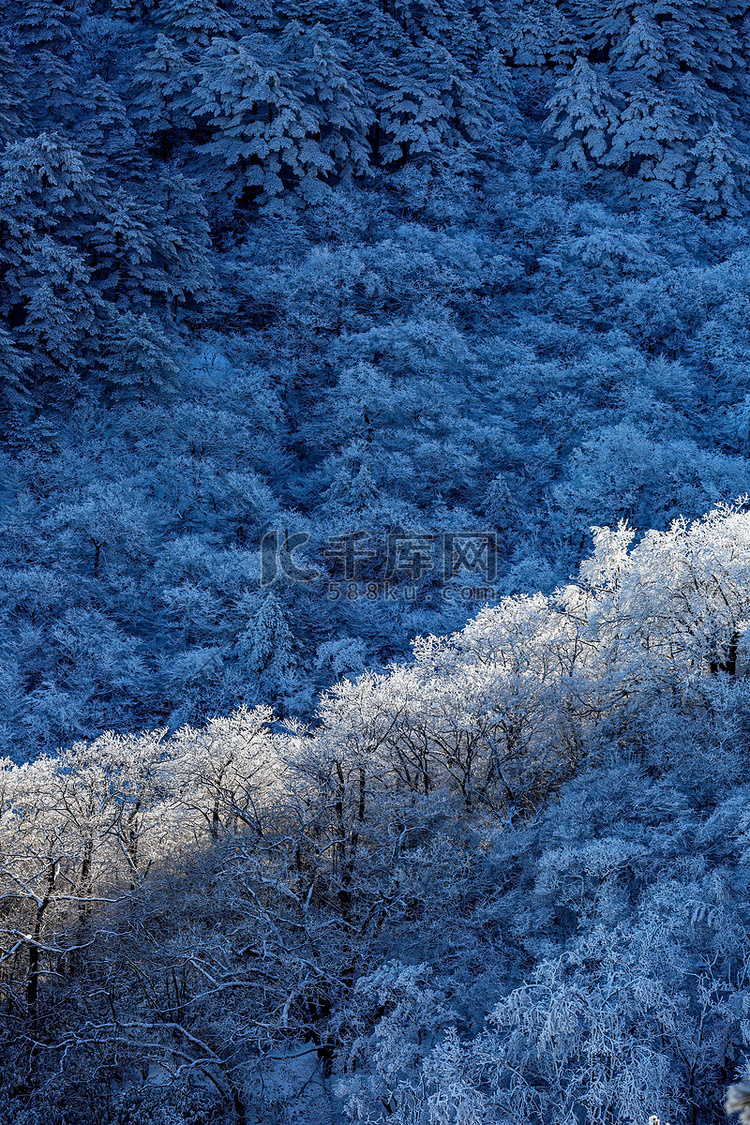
(374, 445)
(563, 779)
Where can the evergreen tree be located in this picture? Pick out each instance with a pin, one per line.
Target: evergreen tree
(13, 99)
(162, 95)
(253, 15)
(677, 67)
(60, 310)
(702, 40)
(323, 75)
(47, 187)
(639, 52)
(263, 136)
(106, 137)
(48, 199)
(352, 489)
(582, 118)
(46, 35)
(265, 651)
(181, 241)
(48, 26)
(13, 369)
(443, 22)
(662, 40)
(124, 245)
(427, 107)
(721, 178)
(138, 360)
(192, 26)
(652, 141)
(53, 91)
(538, 37)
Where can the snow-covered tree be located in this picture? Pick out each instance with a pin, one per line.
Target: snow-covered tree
(138, 359)
(266, 652)
(161, 98)
(719, 183)
(652, 142)
(192, 26)
(263, 135)
(12, 97)
(583, 116)
(324, 75)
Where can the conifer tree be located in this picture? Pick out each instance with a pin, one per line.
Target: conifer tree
(13, 369)
(48, 199)
(427, 106)
(265, 651)
(677, 67)
(47, 186)
(53, 91)
(702, 40)
(46, 34)
(721, 178)
(162, 94)
(181, 242)
(105, 135)
(263, 136)
(138, 360)
(582, 118)
(538, 37)
(192, 26)
(652, 141)
(47, 25)
(324, 76)
(61, 310)
(13, 99)
(253, 15)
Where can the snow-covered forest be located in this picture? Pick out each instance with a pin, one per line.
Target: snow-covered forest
(375, 561)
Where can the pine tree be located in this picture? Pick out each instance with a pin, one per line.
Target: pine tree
(13, 99)
(122, 245)
(414, 114)
(702, 40)
(652, 141)
(265, 651)
(138, 360)
(721, 178)
(538, 37)
(13, 369)
(60, 311)
(162, 95)
(105, 135)
(323, 74)
(46, 35)
(47, 26)
(582, 118)
(47, 186)
(263, 136)
(48, 199)
(253, 15)
(193, 24)
(662, 41)
(180, 242)
(639, 51)
(444, 22)
(353, 489)
(53, 91)
(697, 101)
(677, 66)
